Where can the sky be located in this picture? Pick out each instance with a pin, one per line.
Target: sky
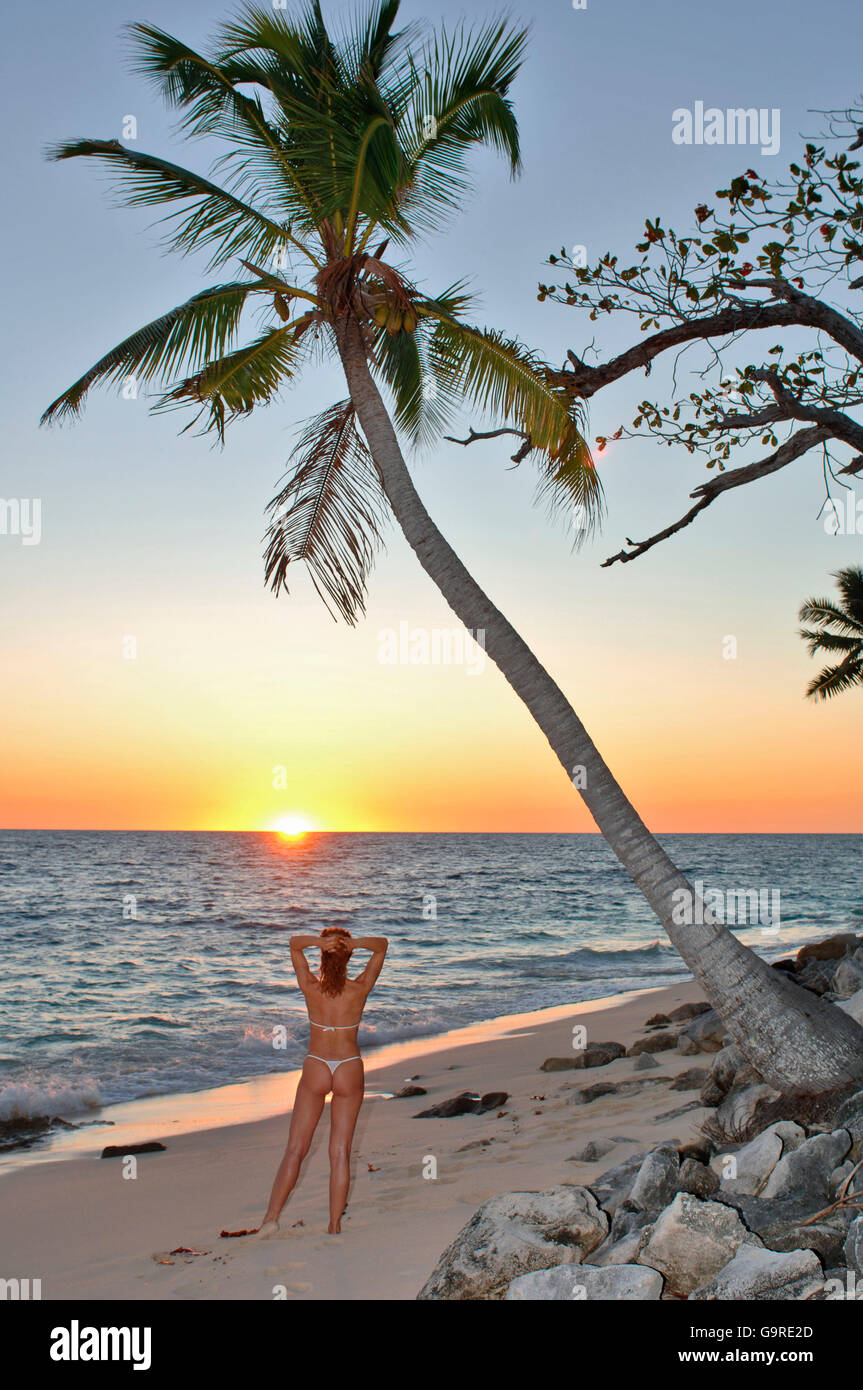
(242, 711)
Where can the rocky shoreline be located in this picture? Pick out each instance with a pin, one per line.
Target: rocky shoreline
(766, 1203)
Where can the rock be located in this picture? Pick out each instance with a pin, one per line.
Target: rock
(806, 1170)
(697, 1179)
(690, 1080)
(624, 1251)
(516, 1233)
(592, 1151)
(751, 1165)
(684, 1012)
(492, 1100)
(854, 1246)
(152, 1146)
(613, 1186)
(644, 1062)
(849, 1111)
(817, 976)
(791, 1134)
(656, 1042)
(465, 1103)
(706, 1033)
(853, 1006)
(839, 1177)
(830, 948)
(658, 1021)
(700, 1151)
(626, 1222)
(727, 1062)
(474, 1144)
(656, 1182)
(599, 1054)
(692, 1241)
(848, 979)
(740, 1108)
(577, 1283)
(559, 1064)
(761, 1274)
(680, 1110)
(785, 1224)
(587, 1094)
(407, 1091)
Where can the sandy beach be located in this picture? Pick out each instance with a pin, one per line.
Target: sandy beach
(88, 1232)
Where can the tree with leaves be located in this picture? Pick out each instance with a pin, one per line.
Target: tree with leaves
(838, 631)
(349, 145)
(784, 257)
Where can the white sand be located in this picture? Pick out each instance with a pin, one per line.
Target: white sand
(88, 1233)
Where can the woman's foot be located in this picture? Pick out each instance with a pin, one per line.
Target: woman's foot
(334, 1228)
(267, 1229)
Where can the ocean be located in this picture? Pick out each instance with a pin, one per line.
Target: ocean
(146, 964)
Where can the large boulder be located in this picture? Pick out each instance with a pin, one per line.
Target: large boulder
(785, 1223)
(746, 1171)
(805, 1172)
(707, 1033)
(830, 948)
(516, 1233)
(656, 1182)
(742, 1106)
(574, 1283)
(692, 1241)
(612, 1187)
(624, 1251)
(762, 1274)
(848, 979)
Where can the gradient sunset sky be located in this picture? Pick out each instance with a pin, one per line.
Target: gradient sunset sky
(149, 535)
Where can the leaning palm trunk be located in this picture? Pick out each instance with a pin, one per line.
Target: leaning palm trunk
(794, 1039)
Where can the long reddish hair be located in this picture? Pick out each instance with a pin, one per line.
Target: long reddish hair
(334, 964)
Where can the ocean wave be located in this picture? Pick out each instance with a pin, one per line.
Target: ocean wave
(27, 1100)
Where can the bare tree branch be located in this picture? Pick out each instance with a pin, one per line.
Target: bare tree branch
(793, 448)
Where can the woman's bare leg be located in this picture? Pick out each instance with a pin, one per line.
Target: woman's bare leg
(308, 1104)
(344, 1109)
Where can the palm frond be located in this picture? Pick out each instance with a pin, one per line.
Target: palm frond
(835, 680)
(512, 384)
(213, 217)
(828, 614)
(234, 384)
(825, 641)
(460, 99)
(330, 514)
(186, 337)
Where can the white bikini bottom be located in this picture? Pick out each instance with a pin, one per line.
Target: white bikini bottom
(331, 1063)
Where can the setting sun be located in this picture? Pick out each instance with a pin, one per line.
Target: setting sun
(292, 826)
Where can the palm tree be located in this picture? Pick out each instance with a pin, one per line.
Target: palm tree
(337, 148)
(839, 629)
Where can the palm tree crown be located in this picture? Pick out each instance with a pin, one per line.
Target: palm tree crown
(838, 629)
(336, 149)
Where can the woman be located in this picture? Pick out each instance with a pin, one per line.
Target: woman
(333, 1063)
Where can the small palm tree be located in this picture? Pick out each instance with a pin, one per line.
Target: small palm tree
(337, 150)
(839, 630)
